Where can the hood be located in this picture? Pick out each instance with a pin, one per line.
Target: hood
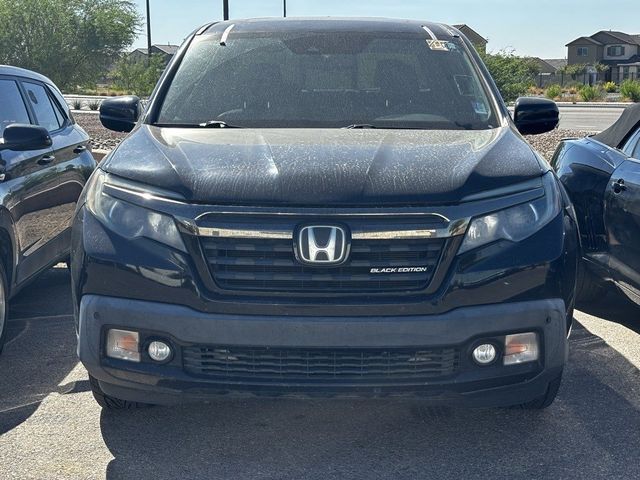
(320, 167)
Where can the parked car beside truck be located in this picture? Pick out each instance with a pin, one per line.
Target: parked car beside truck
(44, 164)
(601, 174)
(331, 207)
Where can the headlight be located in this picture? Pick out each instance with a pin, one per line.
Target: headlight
(129, 220)
(515, 223)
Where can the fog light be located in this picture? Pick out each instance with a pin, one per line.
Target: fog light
(484, 354)
(521, 348)
(123, 345)
(159, 351)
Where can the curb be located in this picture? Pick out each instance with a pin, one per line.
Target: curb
(594, 104)
(99, 154)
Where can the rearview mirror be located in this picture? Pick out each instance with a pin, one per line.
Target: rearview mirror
(22, 137)
(536, 115)
(120, 114)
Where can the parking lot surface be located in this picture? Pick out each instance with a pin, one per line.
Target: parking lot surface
(51, 428)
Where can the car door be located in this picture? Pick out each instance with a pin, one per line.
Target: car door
(18, 169)
(50, 190)
(622, 221)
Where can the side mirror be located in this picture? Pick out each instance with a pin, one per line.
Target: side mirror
(120, 114)
(536, 115)
(21, 137)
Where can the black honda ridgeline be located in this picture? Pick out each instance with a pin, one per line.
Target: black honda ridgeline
(338, 207)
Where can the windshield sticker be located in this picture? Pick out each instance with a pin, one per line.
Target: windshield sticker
(480, 108)
(434, 43)
(438, 45)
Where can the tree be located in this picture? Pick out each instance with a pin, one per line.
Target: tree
(513, 75)
(138, 77)
(71, 41)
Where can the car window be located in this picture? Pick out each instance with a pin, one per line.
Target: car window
(12, 107)
(636, 150)
(42, 106)
(328, 80)
(631, 146)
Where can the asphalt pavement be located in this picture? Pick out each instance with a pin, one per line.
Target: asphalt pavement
(50, 426)
(588, 118)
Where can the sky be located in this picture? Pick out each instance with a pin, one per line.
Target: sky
(537, 28)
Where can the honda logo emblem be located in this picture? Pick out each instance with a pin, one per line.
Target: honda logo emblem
(322, 245)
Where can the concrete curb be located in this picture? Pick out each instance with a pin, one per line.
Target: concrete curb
(99, 154)
(594, 104)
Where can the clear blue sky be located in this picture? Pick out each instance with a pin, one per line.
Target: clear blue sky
(538, 28)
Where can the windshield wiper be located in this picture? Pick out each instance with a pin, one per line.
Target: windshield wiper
(217, 124)
(360, 125)
(209, 124)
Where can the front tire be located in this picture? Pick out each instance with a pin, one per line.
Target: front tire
(589, 288)
(547, 399)
(4, 310)
(111, 403)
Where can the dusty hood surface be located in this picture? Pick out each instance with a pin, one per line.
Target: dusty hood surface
(323, 167)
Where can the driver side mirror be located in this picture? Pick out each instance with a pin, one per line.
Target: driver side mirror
(536, 115)
(22, 137)
(120, 114)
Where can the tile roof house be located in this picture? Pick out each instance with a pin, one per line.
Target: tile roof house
(474, 37)
(618, 50)
(167, 52)
(549, 66)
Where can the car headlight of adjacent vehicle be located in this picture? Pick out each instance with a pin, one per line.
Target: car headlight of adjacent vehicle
(128, 219)
(515, 223)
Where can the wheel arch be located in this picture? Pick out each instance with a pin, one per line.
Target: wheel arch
(8, 247)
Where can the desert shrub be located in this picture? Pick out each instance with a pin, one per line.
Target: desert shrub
(77, 104)
(610, 87)
(553, 91)
(513, 75)
(631, 89)
(94, 104)
(590, 93)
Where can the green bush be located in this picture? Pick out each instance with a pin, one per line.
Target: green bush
(631, 89)
(77, 104)
(94, 105)
(590, 93)
(610, 87)
(513, 75)
(553, 91)
(139, 77)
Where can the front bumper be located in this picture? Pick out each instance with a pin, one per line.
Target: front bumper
(460, 328)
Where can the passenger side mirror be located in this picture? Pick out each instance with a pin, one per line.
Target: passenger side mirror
(536, 115)
(21, 137)
(120, 114)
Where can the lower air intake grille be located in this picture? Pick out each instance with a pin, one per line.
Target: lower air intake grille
(278, 364)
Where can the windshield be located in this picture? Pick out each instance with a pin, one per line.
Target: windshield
(327, 80)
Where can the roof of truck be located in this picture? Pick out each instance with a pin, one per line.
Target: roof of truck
(345, 24)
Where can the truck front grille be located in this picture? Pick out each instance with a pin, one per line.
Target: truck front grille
(321, 364)
(270, 265)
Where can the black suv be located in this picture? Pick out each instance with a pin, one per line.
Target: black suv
(44, 164)
(325, 207)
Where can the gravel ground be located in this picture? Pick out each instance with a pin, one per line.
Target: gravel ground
(101, 138)
(104, 139)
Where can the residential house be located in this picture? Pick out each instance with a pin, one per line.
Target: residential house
(474, 37)
(548, 70)
(619, 51)
(166, 51)
(549, 66)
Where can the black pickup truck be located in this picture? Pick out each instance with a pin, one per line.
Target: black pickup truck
(315, 207)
